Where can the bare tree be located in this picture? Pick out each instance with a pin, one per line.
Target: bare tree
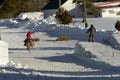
(84, 5)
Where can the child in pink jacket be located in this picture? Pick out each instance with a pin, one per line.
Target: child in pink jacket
(29, 35)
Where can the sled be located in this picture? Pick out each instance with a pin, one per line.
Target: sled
(35, 39)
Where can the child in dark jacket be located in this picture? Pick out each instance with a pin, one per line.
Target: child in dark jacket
(92, 31)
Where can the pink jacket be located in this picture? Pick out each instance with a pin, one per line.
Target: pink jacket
(29, 34)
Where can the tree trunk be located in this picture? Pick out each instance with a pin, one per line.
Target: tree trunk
(84, 11)
(59, 3)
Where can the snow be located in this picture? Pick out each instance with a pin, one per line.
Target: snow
(97, 52)
(35, 16)
(76, 59)
(113, 40)
(4, 53)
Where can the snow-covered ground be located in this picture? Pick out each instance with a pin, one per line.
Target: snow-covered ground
(76, 59)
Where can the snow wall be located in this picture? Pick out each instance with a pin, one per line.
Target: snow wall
(82, 49)
(92, 50)
(97, 52)
(4, 59)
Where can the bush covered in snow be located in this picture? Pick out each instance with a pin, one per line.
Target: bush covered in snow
(63, 16)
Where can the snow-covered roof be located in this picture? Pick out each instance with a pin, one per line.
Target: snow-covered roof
(53, 4)
(107, 4)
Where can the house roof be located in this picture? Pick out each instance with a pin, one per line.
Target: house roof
(53, 4)
(108, 5)
(114, 0)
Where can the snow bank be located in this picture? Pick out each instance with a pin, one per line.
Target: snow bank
(98, 52)
(3, 53)
(114, 40)
(32, 16)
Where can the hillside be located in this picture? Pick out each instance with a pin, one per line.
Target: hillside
(57, 60)
(12, 8)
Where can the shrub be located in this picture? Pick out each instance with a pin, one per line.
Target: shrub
(117, 25)
(63, 16)
(63, 38)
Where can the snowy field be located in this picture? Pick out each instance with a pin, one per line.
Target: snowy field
(61, 60)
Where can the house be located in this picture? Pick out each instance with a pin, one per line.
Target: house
(109, 9)
(106, 9)
(53, 6)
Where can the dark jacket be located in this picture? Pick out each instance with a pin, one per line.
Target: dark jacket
(92, 30)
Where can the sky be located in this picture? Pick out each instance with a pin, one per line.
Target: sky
(76, 59)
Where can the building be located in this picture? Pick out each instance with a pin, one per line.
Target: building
(106, 9)
(53, 6)
(109, 9)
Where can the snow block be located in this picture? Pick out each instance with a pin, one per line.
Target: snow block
(97, 52)
(92, 50)
(4, 59)
(82, 50)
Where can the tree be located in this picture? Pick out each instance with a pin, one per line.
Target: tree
(1, 3)
(63, 16)
(86, 4)
(12, 8)
(84, 11)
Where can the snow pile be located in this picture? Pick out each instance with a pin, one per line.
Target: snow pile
(4, 57)
(114, 40)
(98, 52)
(35, 16)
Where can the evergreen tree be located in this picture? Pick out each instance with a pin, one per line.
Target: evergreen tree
(63, 16)
(12, 8)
